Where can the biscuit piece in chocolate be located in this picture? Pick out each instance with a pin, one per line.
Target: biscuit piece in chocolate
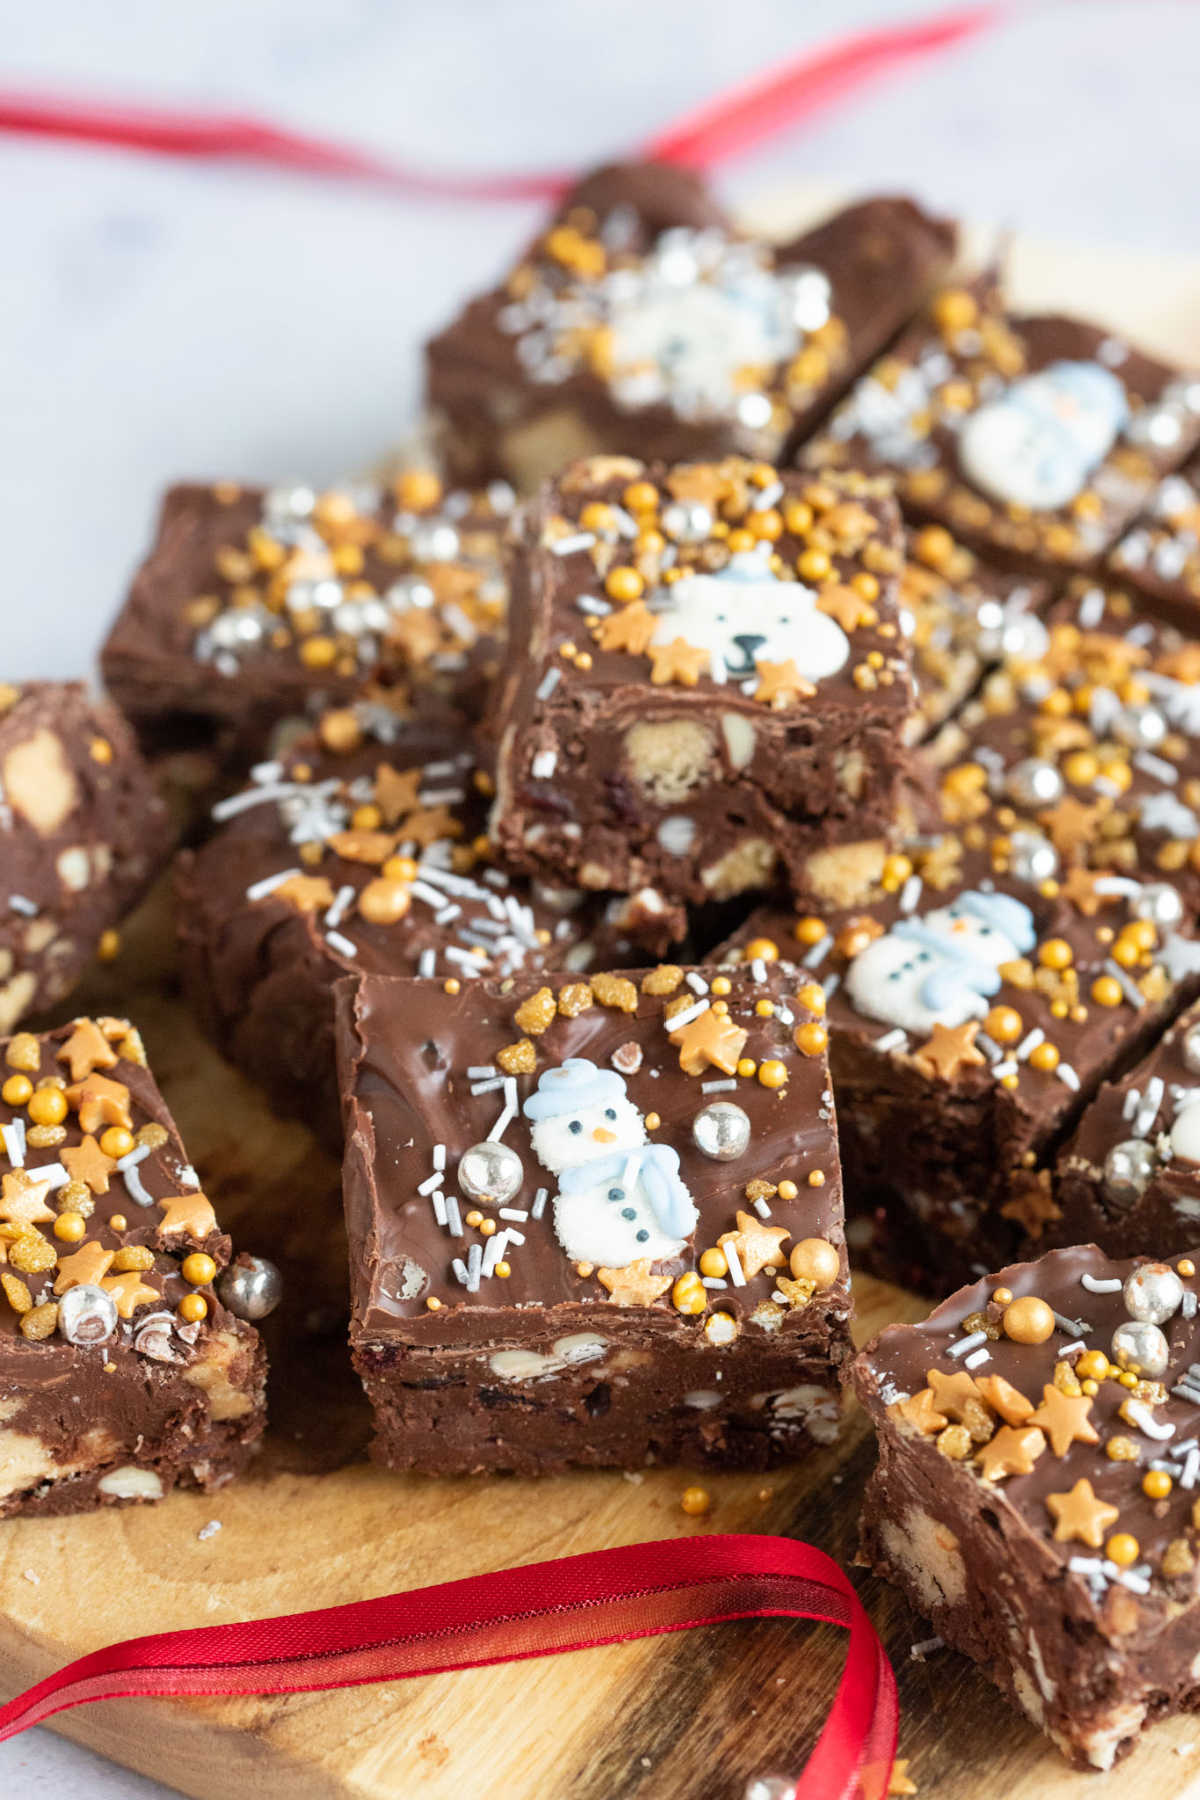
(707, 686)
(1037, 437)
(593, 1221)
(258, 606)
(363, 850)
(82, 833)
(122, 1373)
(1130, 1173)
(971, 1016)
(1160, 553)
(642, 316)
(1036, 1498)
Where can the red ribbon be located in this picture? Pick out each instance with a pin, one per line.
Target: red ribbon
(786, 95)
(543, 1609)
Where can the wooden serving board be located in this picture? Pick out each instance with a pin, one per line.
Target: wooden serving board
(671, 1719)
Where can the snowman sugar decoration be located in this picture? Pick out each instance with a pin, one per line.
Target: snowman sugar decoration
(941, 968)
(620, 1198)
(1038, 443)
(745, 613)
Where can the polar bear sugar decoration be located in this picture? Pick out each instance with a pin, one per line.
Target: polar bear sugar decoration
(619, 1198)
(744, 613)
(1037, 444)
(939, 969)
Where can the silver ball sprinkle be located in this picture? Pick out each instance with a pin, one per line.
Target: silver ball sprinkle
(1152, 1294)
(87, 1315)
(1189, 1046)
(1127, 1170)
(1142, 1349)
(490, 1173)
(1159, 902)
(769, 1787)
(754, 411)
(1032, 857)
(721, 1130)
(287, 505)
(410, 590)
(687, 521)
(809, 293)
(434, 541)
(1140, 727)
(1034, 783)
(251, 1287)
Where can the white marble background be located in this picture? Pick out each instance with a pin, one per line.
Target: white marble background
(159, 319)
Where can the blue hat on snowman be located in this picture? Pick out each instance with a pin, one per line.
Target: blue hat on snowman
(575, 1085)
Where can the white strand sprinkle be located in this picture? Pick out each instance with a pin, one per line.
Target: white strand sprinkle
(1096, 1284)
(259, 890)
(972, 1341)
(341, 944)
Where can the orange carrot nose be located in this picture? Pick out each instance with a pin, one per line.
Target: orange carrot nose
(604, 1137)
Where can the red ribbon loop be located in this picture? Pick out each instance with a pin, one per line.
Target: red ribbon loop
(542, 1609)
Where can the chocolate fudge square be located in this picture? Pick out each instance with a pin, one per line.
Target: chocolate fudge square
(593, 1221)
(258, 606)
(961, 614)
(82, 834)
(123, 1373)
(707, 686)
(1160, 553)
(1036, 1493)
(971, 1016)
(1129, 1175)
(364, 849)
(1087, 755)
(1039, 438)
(641, 316)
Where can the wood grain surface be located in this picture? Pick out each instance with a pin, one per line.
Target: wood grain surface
(690, 1717)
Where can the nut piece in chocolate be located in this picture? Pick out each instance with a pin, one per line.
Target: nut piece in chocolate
(122, 1372)
(707, 686)
(593, 1221)
(1036, 1494)
(641, 316)
(82, 834)
(257, 605)
(1040, 437)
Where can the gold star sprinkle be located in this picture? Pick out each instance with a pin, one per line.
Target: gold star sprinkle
(1032, 1206)
(633, 1286)
(1013, 1451)
(24, 1201)
(86, 1049)
(758, 1246)
(710, 1040)
(188, 1213)
(307, 893)
(630, 629)
(87, 1162)
(951, 1393)
(396, 793)
(430, 824)
(1072, 825)
(1064, 1419)
(84, 1268)
(843, 604)
(129, 1291)
(781, 684)
(1080, 1515)
(948, 1050)
(1005, 1399)
(100, 1102)
(677, 661)
(919, 1412)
